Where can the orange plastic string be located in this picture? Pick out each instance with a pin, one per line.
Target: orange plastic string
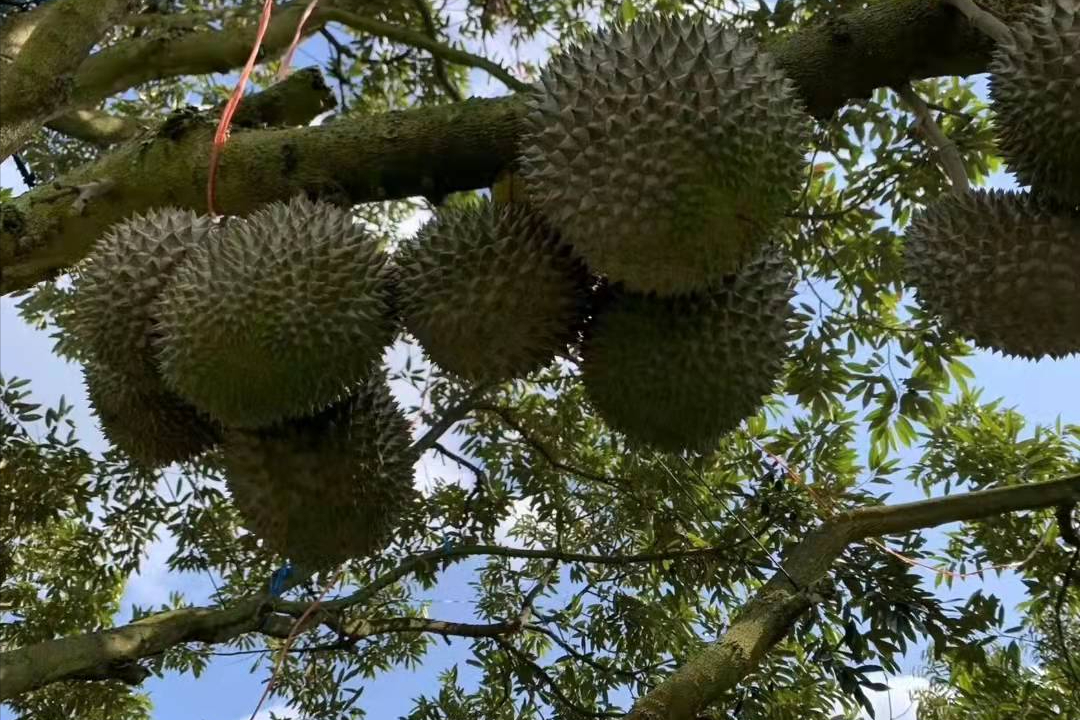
(222, 134)
(283, 71)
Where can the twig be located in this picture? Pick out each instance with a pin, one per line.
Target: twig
(422, 41)
(456, 552)
(440, 67)
(450, 417)
(949, 157)
(28, 177)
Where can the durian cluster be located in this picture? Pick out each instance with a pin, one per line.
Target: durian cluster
(261, 335)
(638, 240)
(1003, 268)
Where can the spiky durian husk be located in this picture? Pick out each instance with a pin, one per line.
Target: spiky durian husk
(678, 373)
(490, 292)
(1001, 269)
(665, 152)
(276, 316)
(1035, 87)
(328, 488)
(115, 287)
(150, 424)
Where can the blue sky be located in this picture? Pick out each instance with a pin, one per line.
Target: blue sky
(227, 691)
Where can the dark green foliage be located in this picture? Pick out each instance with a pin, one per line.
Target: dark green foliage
(329, 488)
(678, 373)
(1001, 269)
(665, 151)
(490, 292)
(276, 316)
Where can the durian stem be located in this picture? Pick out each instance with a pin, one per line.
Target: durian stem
(948, 154)
(982, 20)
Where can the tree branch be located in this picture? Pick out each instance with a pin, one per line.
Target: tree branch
(293, 101)
(450, 417)
(424, 151)
(39, 52)
(764, 620)
(97, 127)
(769, 614)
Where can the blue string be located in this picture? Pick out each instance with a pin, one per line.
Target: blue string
(277, 580)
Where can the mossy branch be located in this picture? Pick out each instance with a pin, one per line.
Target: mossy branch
(296, 100)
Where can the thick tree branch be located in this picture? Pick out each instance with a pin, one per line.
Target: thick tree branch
(39, 52)
(293, 101)
(770, 614)
(432, 150)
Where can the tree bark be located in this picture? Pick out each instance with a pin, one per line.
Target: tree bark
(769, 615)
(763, 622)
(39, 53)
(433, 151)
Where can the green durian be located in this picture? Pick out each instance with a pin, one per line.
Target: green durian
(1000, 268)
(328, 488)
(153, 426)
(115, 287)
(677, 373)
(490, 292)
(665, 152)
(1035, 88)
(277, 315)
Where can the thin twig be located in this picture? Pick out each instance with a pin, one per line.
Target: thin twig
(450, 417)
(440, 67)
(25, 172)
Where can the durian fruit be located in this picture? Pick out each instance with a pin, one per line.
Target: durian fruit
(276, 316)
(665, 151)
(150, 424)
(490, 292)
(324, 489)
(1001, 269)
(677, 373)
(1035, 88)
(115, 287)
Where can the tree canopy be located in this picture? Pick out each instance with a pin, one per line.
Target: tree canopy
(772, 576)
